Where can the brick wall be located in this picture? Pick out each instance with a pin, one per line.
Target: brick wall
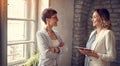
(83, 26)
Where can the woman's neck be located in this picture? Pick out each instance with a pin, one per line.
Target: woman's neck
(98, 29)
(48, 28)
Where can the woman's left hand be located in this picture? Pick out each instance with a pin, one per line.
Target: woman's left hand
(61, 44)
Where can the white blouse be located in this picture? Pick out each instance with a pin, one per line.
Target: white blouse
(55, 43)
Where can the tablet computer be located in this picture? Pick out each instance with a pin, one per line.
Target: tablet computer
(82, 48)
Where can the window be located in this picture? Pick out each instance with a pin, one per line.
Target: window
(21, 28)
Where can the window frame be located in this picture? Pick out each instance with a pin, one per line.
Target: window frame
(25, 42)
(3, 32)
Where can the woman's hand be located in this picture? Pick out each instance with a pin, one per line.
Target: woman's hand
(61, 44)
(85, 51)
(54, 49)
(57, 50)
(89, 52)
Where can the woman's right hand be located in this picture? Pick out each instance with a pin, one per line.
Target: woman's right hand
(55, 49)
(52, 49)
(89, 52)
(85, 51)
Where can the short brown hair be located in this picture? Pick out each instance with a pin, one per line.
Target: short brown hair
(47, 13)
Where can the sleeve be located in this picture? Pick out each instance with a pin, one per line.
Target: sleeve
(43, 46)
(110, 47)
(60, 41)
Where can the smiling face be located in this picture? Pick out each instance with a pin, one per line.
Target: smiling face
(52, 21)
(96, 19)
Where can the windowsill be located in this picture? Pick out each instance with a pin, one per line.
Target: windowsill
(20, 42)
(20, 62)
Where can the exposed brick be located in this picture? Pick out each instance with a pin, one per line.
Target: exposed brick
(82, 26)
(116, 6)
(115, 1)
(117, 10)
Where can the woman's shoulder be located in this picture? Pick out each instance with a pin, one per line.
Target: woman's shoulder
(107, 31)
(41, 32)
